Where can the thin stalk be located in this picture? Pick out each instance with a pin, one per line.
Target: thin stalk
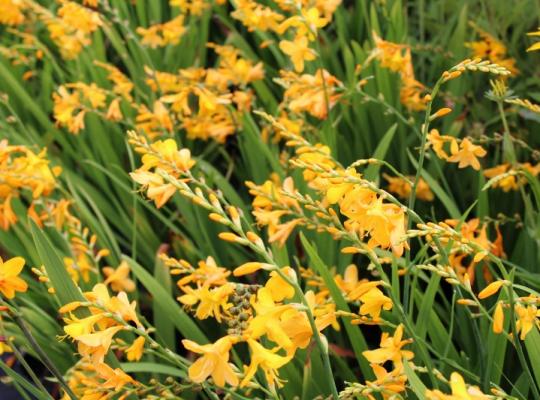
(27, 368)
(42, 355)
(412, 196)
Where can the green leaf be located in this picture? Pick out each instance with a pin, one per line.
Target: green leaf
(372, 171)
(66, 290)
(416, 384)
(532, 344)
(20, 380)
(163, 324)
(153, 368)
(427, 306)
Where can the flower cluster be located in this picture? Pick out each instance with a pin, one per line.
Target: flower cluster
(23, 173)
(302, 230)
(492, 49)
(397, 58)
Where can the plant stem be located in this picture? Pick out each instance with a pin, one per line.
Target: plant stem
(27, 368)
(42, 355)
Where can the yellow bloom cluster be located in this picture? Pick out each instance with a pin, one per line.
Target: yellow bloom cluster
(526, 310)
(161, 35)
(72, 102)
(301, 21)
(288, 286)
(108, 316)
(402, 187)
(369, 215)
(397, 58)
(313, 94)
(10, 282)
(256, 314)
(469, 245)
(159, 156)
(94, 331)
(12, 12)
(70, 27)
(22, 171)
(505, 176)
(492, 49)
(460, 390)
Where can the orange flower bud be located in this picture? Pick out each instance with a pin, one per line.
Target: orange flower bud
(440, 113)
(466, 302)
(217, 218)
(498, 319)
(247, 268)
(490, 289)
(69, 307)
(230, 237)
(350, 250)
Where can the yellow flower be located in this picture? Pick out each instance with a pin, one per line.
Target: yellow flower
(391, 55)
(114, 378)
(460, 391)
(66, 105)
(118, 304)
(467, 154)
(498, 318)
(77, 327)
(373, 302)
(214, 361)
(323, 311)
(296, 326)
(490, 289)
(211, 301)
(391, 383)
(275, 321)
(207, 273)
(118, 278)
(402, 188)
(526, 319)
(314, 20)
(492, 49)
(72, 30)
(11, 12)
(437, 141)
(278, 287)
(4, 347)
(391, 349)
(9, 277)
(156, 188)
(299, 51)
(306, 93)
(256, 16)
(267, 360)
(114, 113)
(96, 345)
(135, 351)
(507, 183)
(160, 35)
(535, 46)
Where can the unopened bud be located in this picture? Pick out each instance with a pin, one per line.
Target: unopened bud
(440, 113)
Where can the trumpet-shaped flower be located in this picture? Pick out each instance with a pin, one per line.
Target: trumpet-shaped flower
(391, 349)
(213, 362)
(265, 359)
(212, 302)
(9, 277)
(299, 51)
